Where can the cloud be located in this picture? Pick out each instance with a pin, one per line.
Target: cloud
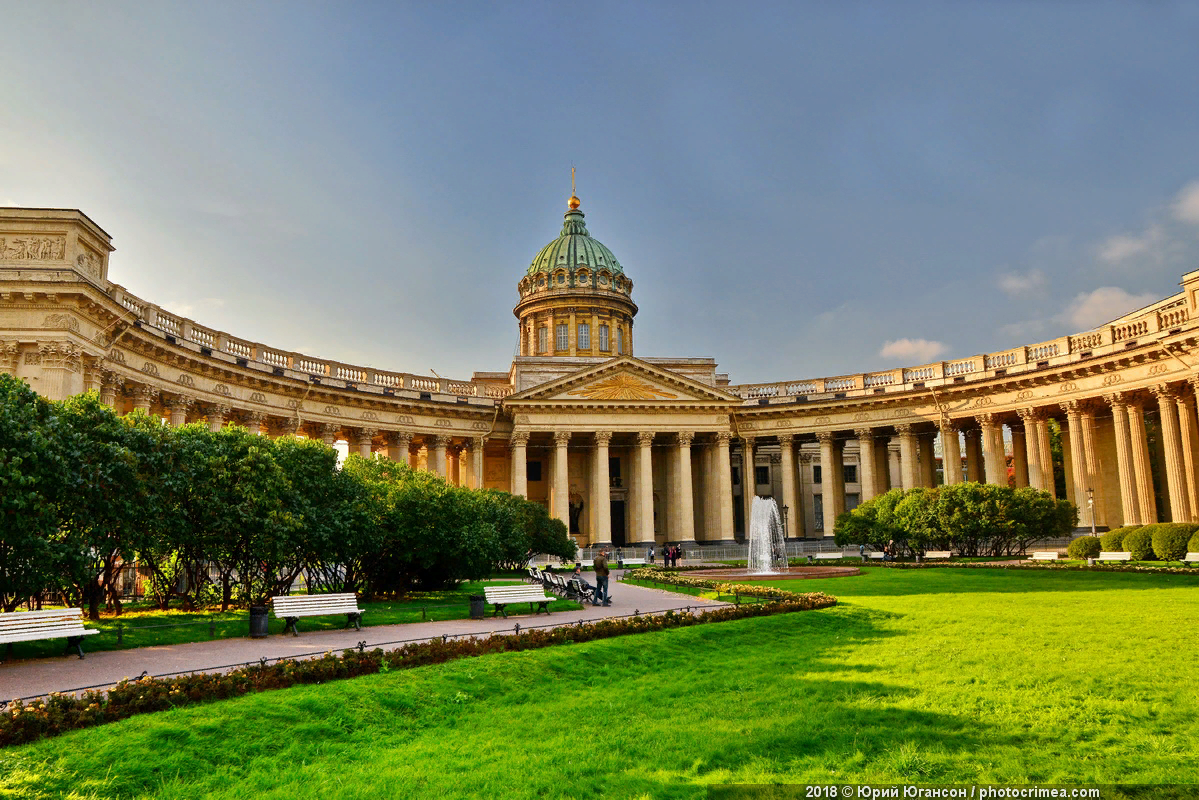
(1186, 204)
(1091, 309)
(1123, 247)
(1013, 283)
(913, 351)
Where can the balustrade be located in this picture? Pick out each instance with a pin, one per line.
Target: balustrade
(1086, 341)
(1129, 330)
(1001, 360)
(878, 379)
(838, 384)
(919, 374)
(953, 368)
(1041, 352)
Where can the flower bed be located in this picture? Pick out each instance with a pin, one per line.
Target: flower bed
(743, 589)
(60, 713)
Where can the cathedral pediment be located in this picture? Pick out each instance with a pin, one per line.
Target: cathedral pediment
(623, 381)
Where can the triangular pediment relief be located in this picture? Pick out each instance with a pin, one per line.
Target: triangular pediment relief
(624, 380)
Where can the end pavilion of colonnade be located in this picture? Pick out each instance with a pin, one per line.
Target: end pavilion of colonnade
(629, 449)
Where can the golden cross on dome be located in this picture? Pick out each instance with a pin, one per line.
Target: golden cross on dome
(573, 203)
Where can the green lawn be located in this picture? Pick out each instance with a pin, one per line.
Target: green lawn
(917, 676)
(146, 628)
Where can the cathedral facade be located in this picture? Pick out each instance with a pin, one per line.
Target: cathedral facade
(629, 449)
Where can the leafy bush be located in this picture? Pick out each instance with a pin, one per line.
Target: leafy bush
(1084, 547)
(1170, 539)
(1140, 544)
(1113, 540)
(1193, 547)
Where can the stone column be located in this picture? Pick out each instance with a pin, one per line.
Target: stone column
(181, 404)
(437, 462)
(363, 438)
(328, 432)
(991, 458)
(1146, 501)
(749, 481)
(724, 478)
(1188, 433)
(1036, 474)
(974, 455)
(928, 460)
(601, 494)
(951, 452)
(1045, 445)
(1079, 477)
(561, 485)
(644, 488)
(1090, 451)
(399, 446)
(1124, 466)
(477, 445)
(10, 359)
(1019, 456)
(217, 414)
(144, 397)
(1167, 403)
(454, 473)
(110, 387)
(832, 479)
(253, 421)
(867, 463)
(286, 426)
(908, 465)
(517, 443)
(790, 501)
(683, 488)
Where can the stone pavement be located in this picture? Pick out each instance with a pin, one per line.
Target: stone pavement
(102, 669)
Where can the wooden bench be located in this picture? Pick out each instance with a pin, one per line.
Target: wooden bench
(503, 596)
(877, 555)
(1114, 555)
(1044, 555)
(1191, 558)
(632, 562)
(938, 554)
(821, 556)
(63, 623)
(291, 607)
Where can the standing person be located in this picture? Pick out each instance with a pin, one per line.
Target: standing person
(601, 578)
(650, 554)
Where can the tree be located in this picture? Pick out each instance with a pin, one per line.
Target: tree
(32, 472)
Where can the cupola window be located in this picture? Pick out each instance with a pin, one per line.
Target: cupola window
(604, 337)
(562, 336)
(543, 339)
(620, 341)
(584, 336)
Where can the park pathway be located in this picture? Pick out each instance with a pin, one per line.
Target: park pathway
(103, 669)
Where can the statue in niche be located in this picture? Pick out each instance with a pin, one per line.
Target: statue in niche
(576, 511)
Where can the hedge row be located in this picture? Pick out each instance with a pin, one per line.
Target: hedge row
(228, 516)
(1162, 541)
(22, 723)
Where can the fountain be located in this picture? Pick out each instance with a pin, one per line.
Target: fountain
(767, 548)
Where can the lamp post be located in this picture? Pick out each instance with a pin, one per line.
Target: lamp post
(1091, 508)
(785, 510)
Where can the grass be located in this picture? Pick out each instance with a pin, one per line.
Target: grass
(930, 676)
(153, 627)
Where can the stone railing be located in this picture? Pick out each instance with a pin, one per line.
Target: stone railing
(1164, 319)
(216, 343)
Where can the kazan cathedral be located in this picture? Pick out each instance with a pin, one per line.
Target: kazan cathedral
(628, 448)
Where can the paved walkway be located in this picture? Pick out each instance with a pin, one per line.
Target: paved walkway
(105, 668)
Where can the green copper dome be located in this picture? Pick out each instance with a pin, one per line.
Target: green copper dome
(574, 248)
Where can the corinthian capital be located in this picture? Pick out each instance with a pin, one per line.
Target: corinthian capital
(683, 438)
(646, 438)
(602, 438)
(518, 439)
(561, 438)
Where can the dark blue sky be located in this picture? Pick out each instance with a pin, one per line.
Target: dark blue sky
(796, 190)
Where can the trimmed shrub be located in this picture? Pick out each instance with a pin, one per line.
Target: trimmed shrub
(1170, 539)
(1113, 540)
(1084, 547)
(1140, 544)
(1193, 547)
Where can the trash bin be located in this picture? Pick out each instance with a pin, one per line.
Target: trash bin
(258, 622)
(1090, 562)
(478, 606)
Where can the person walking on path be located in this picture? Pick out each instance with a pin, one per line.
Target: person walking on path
(601, 578)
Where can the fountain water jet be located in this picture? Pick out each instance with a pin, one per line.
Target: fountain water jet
(767, 548)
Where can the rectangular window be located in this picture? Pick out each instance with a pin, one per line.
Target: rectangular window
(614, 467)
(620, 341)
(562, 337)
(543, 339)
(818, 510)
(851, 502)
(533, 471)
(851, 473)
(762, 475)
(603, 337)
(584, 336)
(817, 477)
